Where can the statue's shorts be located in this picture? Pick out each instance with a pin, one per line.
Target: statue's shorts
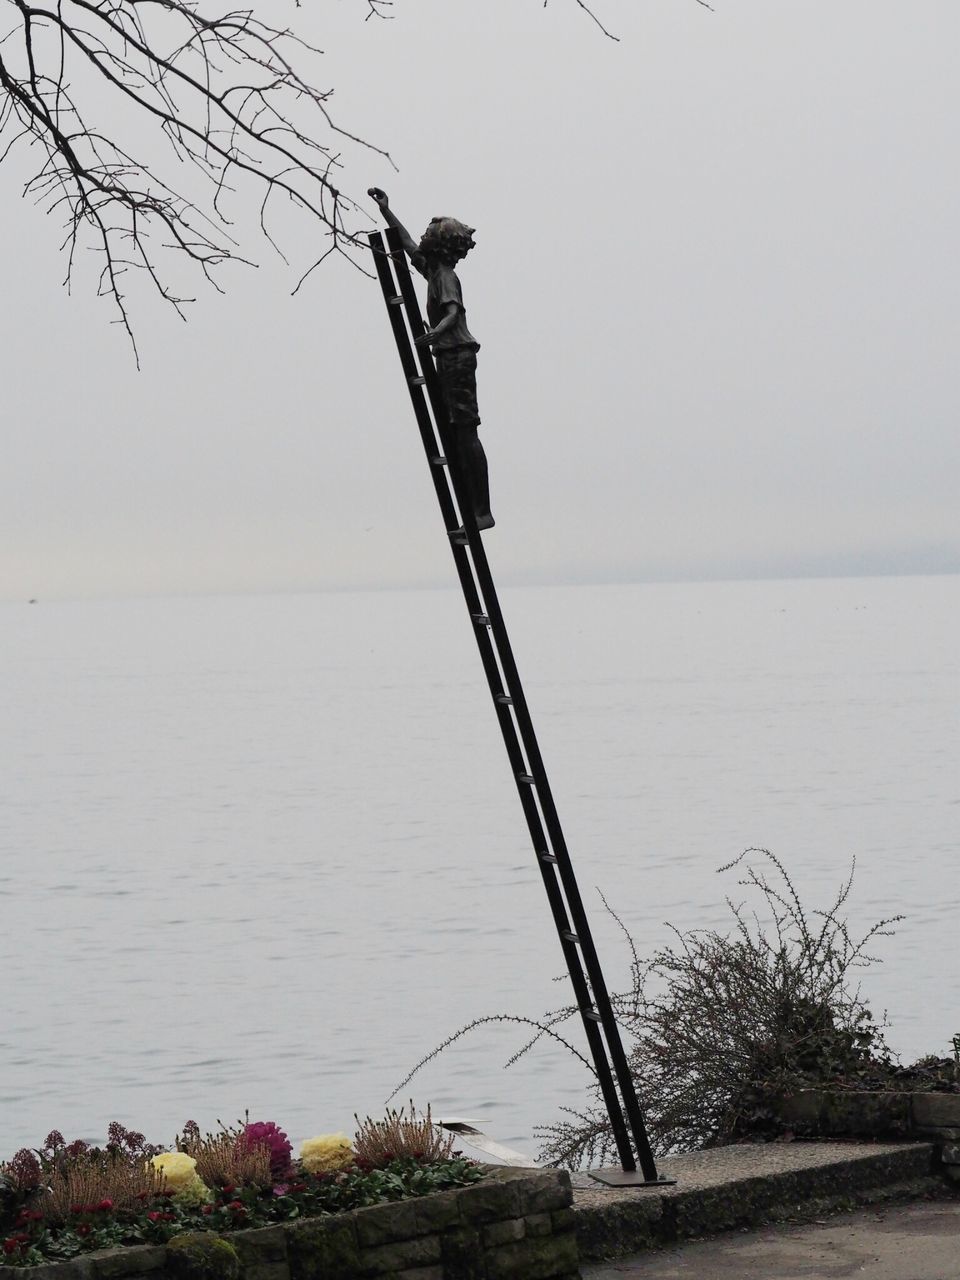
(457, 368)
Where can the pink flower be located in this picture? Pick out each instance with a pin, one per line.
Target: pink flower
(264, 1133)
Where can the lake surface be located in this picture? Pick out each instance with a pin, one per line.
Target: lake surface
(265, 852)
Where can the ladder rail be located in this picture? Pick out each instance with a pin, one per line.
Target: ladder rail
(523, 752)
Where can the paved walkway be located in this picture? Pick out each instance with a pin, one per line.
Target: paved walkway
(902, 1242)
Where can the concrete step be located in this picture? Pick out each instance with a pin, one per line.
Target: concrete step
(743, 1186)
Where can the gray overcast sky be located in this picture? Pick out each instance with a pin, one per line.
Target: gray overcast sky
(715, 282)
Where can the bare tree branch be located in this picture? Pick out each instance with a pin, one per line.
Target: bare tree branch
(225, 93)
(231, 107)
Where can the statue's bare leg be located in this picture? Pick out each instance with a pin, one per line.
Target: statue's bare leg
(473, 467)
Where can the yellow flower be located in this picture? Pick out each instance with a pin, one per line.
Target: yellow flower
(326, 1154)
(193, 1193)
(177, 1167)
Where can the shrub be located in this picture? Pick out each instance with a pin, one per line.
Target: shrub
(380, 1142)
(227, 1158)
(719, 1021)
(75, 1175)
(714, 1021)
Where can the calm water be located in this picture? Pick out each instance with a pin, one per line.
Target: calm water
(265, 852)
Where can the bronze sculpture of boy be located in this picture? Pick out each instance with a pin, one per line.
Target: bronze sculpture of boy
(441, 247)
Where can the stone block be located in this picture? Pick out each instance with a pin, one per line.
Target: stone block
(265, 1271)
(261, 1246)
(545, 1191)
(437, 1212)
(384, 1223)
(323, 1249)
(936, 1110)
(503, 1232)
(110, 1263)
(800, 1110)
(867, 1114)
(386, 1259)
(420, 1273)
(461, 1253)
(950, 1153)
(55, 1270)
(202, 1255)
(262, 1253)
(490, 1202)
(541, 1224)
(545, 1258)
(563, 1219)
(953, 1172)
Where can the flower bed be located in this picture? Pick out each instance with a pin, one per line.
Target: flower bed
(516, 1224)
(64, 1200)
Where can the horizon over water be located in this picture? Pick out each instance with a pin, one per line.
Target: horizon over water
(265, 852)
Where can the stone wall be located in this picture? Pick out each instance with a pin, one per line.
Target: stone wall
(517, 1224)
(825, 1113)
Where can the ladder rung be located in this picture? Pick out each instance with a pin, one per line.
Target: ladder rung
(417, 381)
(592, 1015)
(505, 699)
(526, 777)
(480, 619)
(547, 857)
(438, 460)
(395, 301)
(568, 934)
(458, 536)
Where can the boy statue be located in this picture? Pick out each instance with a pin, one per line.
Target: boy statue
(455, 348)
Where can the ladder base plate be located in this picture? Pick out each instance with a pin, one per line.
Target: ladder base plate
(622, 1178)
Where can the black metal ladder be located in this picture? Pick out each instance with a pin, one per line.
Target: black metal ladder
(553, 859)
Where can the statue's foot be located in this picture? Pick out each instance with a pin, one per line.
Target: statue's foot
(485, 521)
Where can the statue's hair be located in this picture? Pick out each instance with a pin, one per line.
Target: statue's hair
(448, 238)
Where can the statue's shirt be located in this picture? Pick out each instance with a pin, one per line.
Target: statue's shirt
(443, 287)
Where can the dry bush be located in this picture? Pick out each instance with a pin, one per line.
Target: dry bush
(224, 1159)
(378, 1142)
(88, 1180)
(718, 1021)
(714, 1022)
